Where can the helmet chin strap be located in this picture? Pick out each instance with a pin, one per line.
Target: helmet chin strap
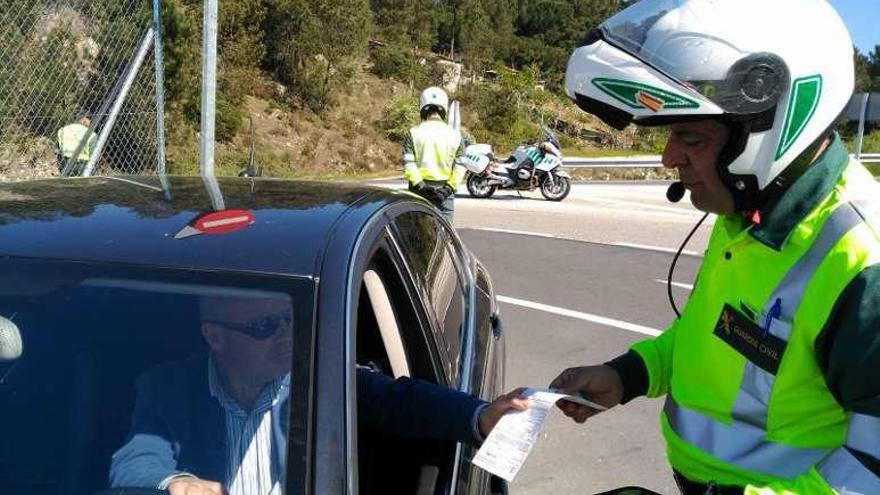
(747, 197)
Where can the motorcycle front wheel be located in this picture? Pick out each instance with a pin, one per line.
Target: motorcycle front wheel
(478, 186)
(555, 192)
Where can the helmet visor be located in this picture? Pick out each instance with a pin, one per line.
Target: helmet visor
(686, 40)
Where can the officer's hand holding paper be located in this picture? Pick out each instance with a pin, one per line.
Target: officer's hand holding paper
(507, 447)
(600, 383)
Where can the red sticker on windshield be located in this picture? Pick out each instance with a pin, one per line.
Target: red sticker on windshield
(217, 222)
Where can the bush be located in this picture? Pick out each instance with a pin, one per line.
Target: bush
(871, 142)
(228, 121)
(650, 139)
(396, 62)
(399, 116)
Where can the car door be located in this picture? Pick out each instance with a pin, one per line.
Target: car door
(411, 264)
(465, 322)
(393, 332)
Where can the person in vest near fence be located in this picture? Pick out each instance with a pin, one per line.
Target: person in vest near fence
(771, 374)
(431, 153)
(68, 141)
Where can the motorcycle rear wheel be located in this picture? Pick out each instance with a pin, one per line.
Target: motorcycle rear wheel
(478, 186)
(556, 192)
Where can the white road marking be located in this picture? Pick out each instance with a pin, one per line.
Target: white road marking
(518, 232)
(601, 320)
(656, 248)
(552, 236)
(642, 206)
(676, 284)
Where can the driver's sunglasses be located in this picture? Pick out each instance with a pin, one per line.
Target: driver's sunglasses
(260, 328)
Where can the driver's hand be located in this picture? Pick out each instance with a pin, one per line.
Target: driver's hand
(490, 416)
(194, 486)
(601, 384)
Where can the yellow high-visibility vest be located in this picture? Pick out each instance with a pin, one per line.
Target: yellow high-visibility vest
(728, 419)
(69, 138)
(435, 148)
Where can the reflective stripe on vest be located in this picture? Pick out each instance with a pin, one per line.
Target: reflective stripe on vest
(743, 443)
(847, 475)
(754, 395)
(740, 444)
(864, 434)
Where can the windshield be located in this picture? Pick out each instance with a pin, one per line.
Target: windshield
(122, 377)
(682, 39)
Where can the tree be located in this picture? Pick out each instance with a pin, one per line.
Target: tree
(486, 29)
(863, 77)
(410, 21)
(874, 68)
(182, 50)
(313, 45)
(475, 37)
(548, 30)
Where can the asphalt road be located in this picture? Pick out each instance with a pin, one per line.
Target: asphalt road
(574, 291)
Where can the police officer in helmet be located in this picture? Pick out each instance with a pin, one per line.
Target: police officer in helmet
(771, 374)
(431, 153)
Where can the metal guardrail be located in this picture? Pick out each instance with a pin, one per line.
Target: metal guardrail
(613, 162)
(652, 161)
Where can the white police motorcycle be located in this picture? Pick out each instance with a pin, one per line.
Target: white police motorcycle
(536, 166)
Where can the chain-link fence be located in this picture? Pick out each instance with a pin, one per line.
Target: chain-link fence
(75, 96)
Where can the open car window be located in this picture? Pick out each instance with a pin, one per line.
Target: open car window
(394, 337)
(120, 376)
(429, 251)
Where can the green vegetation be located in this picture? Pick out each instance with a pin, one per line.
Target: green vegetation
(333, 84)
(304, 56)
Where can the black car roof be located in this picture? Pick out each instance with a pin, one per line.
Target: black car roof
(136, 219)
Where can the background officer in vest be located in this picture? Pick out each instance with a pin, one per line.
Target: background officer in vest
(68, 140)
(431, 151)
(771, 374)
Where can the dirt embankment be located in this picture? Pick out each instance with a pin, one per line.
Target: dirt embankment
(344, 141)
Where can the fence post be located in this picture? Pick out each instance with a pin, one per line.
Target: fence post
(117, 105)
(98, 119)
(863, 116)
(160, 85)
(209, 85)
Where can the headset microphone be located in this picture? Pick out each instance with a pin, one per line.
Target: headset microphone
(675, 192)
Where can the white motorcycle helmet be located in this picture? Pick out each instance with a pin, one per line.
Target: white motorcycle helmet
(778, 72)
(436, 98)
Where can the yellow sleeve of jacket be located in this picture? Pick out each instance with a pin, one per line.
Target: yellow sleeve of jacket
(458, 169)
(656, 353)
(411, 168)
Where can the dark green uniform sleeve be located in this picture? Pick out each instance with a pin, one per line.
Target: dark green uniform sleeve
(633, 375)
(848, 350)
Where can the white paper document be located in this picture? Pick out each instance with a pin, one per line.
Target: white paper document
(507, 447)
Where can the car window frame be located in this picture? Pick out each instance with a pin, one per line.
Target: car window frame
(427, 328)
(465, 267)
(461, 260)
(300, 420)
(369, 235)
